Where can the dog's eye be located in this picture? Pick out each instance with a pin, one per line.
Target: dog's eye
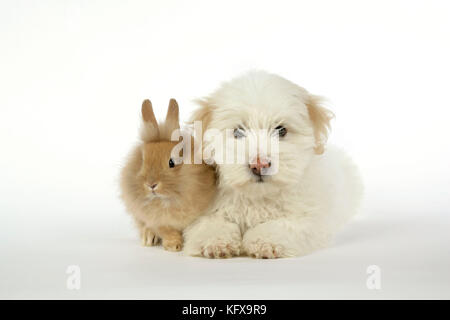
(171, 163)
(281, 131)
(239, 133)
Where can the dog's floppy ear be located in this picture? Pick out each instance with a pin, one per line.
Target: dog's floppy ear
(320, 118)
(203, 114)
(150, 129)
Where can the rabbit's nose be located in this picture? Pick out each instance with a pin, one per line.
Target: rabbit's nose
(153, 186)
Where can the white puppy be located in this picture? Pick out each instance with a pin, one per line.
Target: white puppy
(293, 211)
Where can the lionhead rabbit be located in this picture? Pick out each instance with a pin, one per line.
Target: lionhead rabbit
(163, 194)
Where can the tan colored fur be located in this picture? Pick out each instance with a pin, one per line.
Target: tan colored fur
(183, 192)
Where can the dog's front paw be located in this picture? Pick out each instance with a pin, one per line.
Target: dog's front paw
(213, 237)
(261, 249)
(219, 248)
(265, 242)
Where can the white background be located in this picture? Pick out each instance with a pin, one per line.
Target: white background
(72, 78)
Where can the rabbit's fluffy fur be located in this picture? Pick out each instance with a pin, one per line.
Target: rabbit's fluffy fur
(180, 193)
(293, 212)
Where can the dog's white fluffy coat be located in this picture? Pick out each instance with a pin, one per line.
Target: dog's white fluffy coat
(291, 213)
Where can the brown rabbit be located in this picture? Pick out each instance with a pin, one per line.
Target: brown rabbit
(163, 195)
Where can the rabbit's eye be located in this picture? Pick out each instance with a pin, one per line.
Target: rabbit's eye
(171, 163)
(281, 131)
(239, 133)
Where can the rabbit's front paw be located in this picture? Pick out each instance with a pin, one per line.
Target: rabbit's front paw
(172, 240)
(148, 238)
(219, 248)
(173, 244)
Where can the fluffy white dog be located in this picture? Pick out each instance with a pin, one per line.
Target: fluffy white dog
(289, 213)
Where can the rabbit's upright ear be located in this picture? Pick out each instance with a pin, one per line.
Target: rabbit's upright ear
(172, 118)
(150, 130)
(172, 122)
